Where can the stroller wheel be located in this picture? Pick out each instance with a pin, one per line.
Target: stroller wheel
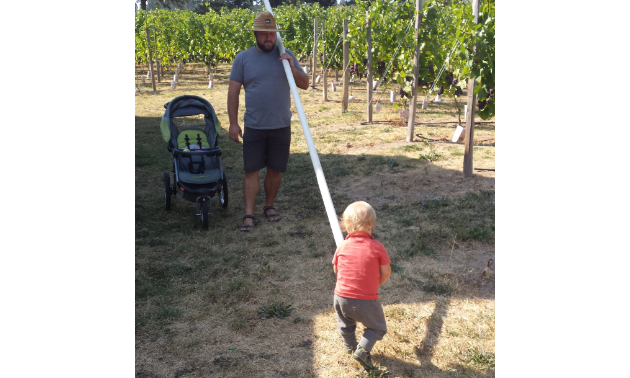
(223, 195)
(204, 214)
(167, 191)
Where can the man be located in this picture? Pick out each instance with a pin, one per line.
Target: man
(267, 119)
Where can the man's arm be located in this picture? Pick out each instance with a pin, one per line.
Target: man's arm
(386, 271)
(234, 91)
(301, 79)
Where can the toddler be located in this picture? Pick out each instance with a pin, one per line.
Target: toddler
(361, 265)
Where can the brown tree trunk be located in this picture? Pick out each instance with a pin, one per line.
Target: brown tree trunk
(459, 119)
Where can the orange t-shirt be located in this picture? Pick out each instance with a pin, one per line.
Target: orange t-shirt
(359, 259)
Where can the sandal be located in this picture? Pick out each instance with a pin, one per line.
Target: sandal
(249, 227)
(275, 217)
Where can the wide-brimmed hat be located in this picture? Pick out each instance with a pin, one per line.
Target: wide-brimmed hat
(265, 22)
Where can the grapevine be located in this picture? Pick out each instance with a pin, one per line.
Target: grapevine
(449, 39)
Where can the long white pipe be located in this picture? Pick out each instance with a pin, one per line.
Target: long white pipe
(319, 173)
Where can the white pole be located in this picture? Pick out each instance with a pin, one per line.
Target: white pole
(319, 173)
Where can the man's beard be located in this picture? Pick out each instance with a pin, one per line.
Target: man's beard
(263, 47)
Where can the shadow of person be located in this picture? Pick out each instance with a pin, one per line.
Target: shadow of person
(424, 353)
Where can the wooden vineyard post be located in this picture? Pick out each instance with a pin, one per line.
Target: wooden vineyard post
(470, 114)
(314, 53)
(157, 61)
(324, 60)
(150, 58)
(346, 64)
(369, 67)
(414, 87)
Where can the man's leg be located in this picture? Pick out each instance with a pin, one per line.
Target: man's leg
(251, 186)
(272, 185)
(278, 146)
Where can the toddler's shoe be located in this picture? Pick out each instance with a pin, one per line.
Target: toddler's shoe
(363, 356)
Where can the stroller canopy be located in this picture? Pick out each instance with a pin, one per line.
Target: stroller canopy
(189, 105)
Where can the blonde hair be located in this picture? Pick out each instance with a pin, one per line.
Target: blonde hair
(358, 216)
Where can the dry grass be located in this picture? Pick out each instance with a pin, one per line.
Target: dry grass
(430, 338)
(198, 293)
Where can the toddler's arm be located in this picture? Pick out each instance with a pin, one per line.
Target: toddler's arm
(335, 269)
(386, 271)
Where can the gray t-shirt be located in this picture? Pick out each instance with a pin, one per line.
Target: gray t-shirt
(267, 91)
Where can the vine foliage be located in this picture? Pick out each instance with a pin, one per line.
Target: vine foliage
(452, 47)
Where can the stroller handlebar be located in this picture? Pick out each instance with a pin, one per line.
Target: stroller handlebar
(209, 152)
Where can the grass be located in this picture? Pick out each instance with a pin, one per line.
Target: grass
(220, 303)
(275, 310)
(479, 357)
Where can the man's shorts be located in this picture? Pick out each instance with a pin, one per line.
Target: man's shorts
(266, 148)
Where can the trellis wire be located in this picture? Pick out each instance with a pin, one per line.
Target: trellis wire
(440, 72)
(306, 45)
(448, 56)
(333, 53)
(391, 61)
(326, 69)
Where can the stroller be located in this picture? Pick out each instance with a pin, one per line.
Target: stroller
(189, 127)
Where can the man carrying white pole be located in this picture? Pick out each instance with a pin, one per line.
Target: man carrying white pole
(321, 180)
(267, 119)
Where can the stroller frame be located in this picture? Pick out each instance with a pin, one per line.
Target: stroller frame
(197, 173)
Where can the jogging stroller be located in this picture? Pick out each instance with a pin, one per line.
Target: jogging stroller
(189, 127)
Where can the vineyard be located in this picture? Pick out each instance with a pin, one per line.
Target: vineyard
(453, 48)
(222, 303)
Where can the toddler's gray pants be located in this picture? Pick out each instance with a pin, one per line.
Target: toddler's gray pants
(367, 312)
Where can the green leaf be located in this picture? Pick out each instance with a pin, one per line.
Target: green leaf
(482, 93)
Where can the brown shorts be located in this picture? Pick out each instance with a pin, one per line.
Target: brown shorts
(266, 148)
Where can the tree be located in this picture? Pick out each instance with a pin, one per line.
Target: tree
(276, 3)
(216, 5)
(170, 4)
(324, 3)
(143, 4)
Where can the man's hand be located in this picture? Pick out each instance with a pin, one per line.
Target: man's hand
(301, 79)
(235, 132)
(287, 57)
